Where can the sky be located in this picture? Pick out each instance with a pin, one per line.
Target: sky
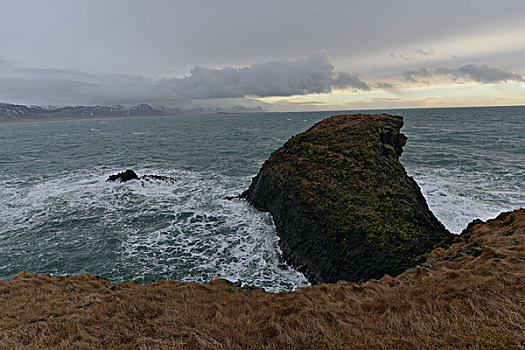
(279, 55)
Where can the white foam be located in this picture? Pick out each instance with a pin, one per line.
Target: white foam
(185, 230)
(457, 196)
(210, 237)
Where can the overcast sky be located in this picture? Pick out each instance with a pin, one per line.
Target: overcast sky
(283, 55)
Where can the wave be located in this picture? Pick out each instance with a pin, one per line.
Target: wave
(185, 231)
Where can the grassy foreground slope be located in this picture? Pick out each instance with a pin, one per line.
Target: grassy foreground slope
(471, 295)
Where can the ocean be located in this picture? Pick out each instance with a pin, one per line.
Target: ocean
(59, 216)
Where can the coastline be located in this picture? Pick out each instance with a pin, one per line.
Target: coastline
(57, 119)
(99, 117)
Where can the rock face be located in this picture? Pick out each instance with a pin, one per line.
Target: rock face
(343, 205)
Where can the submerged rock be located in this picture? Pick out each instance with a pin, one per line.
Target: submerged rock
(124, 176)
(158, 178)
(343, 205)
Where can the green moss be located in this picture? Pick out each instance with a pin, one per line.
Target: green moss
(348, 179)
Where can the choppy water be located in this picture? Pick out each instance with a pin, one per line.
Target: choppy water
(58, 215)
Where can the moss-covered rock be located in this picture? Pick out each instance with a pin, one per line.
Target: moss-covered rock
(343, 205)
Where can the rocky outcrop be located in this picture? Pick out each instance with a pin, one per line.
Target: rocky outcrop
(124, 176)
(343, 205)
(129, 175)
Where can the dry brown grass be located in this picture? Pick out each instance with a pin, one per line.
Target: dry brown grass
(465, 301)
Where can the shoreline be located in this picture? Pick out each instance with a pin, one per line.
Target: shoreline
(57, 119)
(100, 117)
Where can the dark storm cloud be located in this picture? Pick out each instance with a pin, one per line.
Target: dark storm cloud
(313, 74)
(481, 74)
(345, 80)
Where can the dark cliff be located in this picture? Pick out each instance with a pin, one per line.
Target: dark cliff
(343, 205)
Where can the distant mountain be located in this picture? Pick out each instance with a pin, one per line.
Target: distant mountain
(12, 112)
(8, 111)
(144, 109)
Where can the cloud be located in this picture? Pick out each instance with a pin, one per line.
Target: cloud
(424, 52)
(313, 74)
(384, 85)
(402, 57)
(410, 75)
(410, 56)
(482, 74)
(345, 80)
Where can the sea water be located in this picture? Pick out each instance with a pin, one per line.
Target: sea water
(59, 216)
